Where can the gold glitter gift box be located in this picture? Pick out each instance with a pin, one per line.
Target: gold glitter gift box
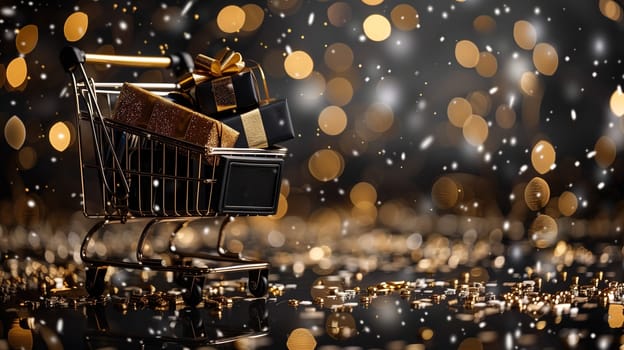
(141, 108)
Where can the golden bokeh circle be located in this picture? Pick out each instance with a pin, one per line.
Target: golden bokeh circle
(377, 27)
(372, 2)
(363, 195)
(567, 203)
(471, 344)
(543, 156)
(616, 102)
(605, 149)
(458, 110)
(530, 84)
(326, 165)
(610, 9)
(467, 53)
(525, 35)
(26, 39)
(445, 193)
(298, 64)
(59, 136)
(488, 65)
(27, 158)
(481, 102)
(484, 24)
(379, 117)
(536, 194)
(76, 26)
(16, 72)
(405, 17)
(301, 339)
(332, 120)
(254, 16)
(15, 132)
(505, 116)
(475, 130)
(339, 13)
(545, 58)
(338, 57)
(339, 91)
(543, 231)
(231, 19)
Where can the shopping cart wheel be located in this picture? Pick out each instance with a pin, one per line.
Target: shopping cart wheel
(94, 280)
(259, 282)
(193, 291)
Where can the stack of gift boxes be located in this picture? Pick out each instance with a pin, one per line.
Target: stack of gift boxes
(221, 103)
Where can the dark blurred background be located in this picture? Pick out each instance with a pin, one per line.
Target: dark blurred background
(398, 140)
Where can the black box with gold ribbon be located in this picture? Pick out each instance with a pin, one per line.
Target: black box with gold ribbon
(264, 126)
(235, 92)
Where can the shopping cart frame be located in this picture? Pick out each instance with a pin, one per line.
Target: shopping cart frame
(105, 147)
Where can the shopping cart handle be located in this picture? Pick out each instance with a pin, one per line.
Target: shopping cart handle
(179, 63)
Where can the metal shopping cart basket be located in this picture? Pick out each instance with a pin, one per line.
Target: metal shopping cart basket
(129, 174)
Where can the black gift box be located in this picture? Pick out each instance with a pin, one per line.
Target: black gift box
(263, 126)
(234, 92)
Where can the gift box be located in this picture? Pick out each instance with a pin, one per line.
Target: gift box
(230, 93)
(223, 84)
(264, 126)
(138, 107)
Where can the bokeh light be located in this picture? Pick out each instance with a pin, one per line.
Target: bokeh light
(26, 39)
(605, 149)
(363, 195)
(76, 26)
(339, 91)
(567, 203)
(458, 110)
(15, 132)
(301, 339)
(543, 231)
(298, 65)
(231, 19)
(254, 16)
(339, 13)
(475, 130)
(616, 102)
(445, 192)
(60, 136)
(505, 116)
(338, 57)
(536, 194)
(332, 120)
(326, 165)
(543, 156)
(16, 72)
(530, 84)
(377, 27)
(405, 17)
(610, 9)
(27, 158)
(480, 101)
(545, 58)
(525, 35)
(467, 54)
(372, 2)
(484, 24)
(488, 65)
(379, 117)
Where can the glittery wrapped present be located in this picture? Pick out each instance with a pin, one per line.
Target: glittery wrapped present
(264, 126)
(139, 107)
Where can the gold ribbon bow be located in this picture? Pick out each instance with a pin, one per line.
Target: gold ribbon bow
(226, 62)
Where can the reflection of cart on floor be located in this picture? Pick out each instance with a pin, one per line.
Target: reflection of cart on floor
(129, 173)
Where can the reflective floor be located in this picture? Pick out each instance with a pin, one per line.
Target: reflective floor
(384, 290)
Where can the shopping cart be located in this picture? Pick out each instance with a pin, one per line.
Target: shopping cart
(130, 174)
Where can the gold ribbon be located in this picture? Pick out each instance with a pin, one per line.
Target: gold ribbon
(254, 129)
(226, 62)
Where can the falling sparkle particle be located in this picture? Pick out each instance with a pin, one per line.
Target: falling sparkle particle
(426, 142)
(493, 90)
(186, 8)
(573, 114)
(311, 18)
(591, 154)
